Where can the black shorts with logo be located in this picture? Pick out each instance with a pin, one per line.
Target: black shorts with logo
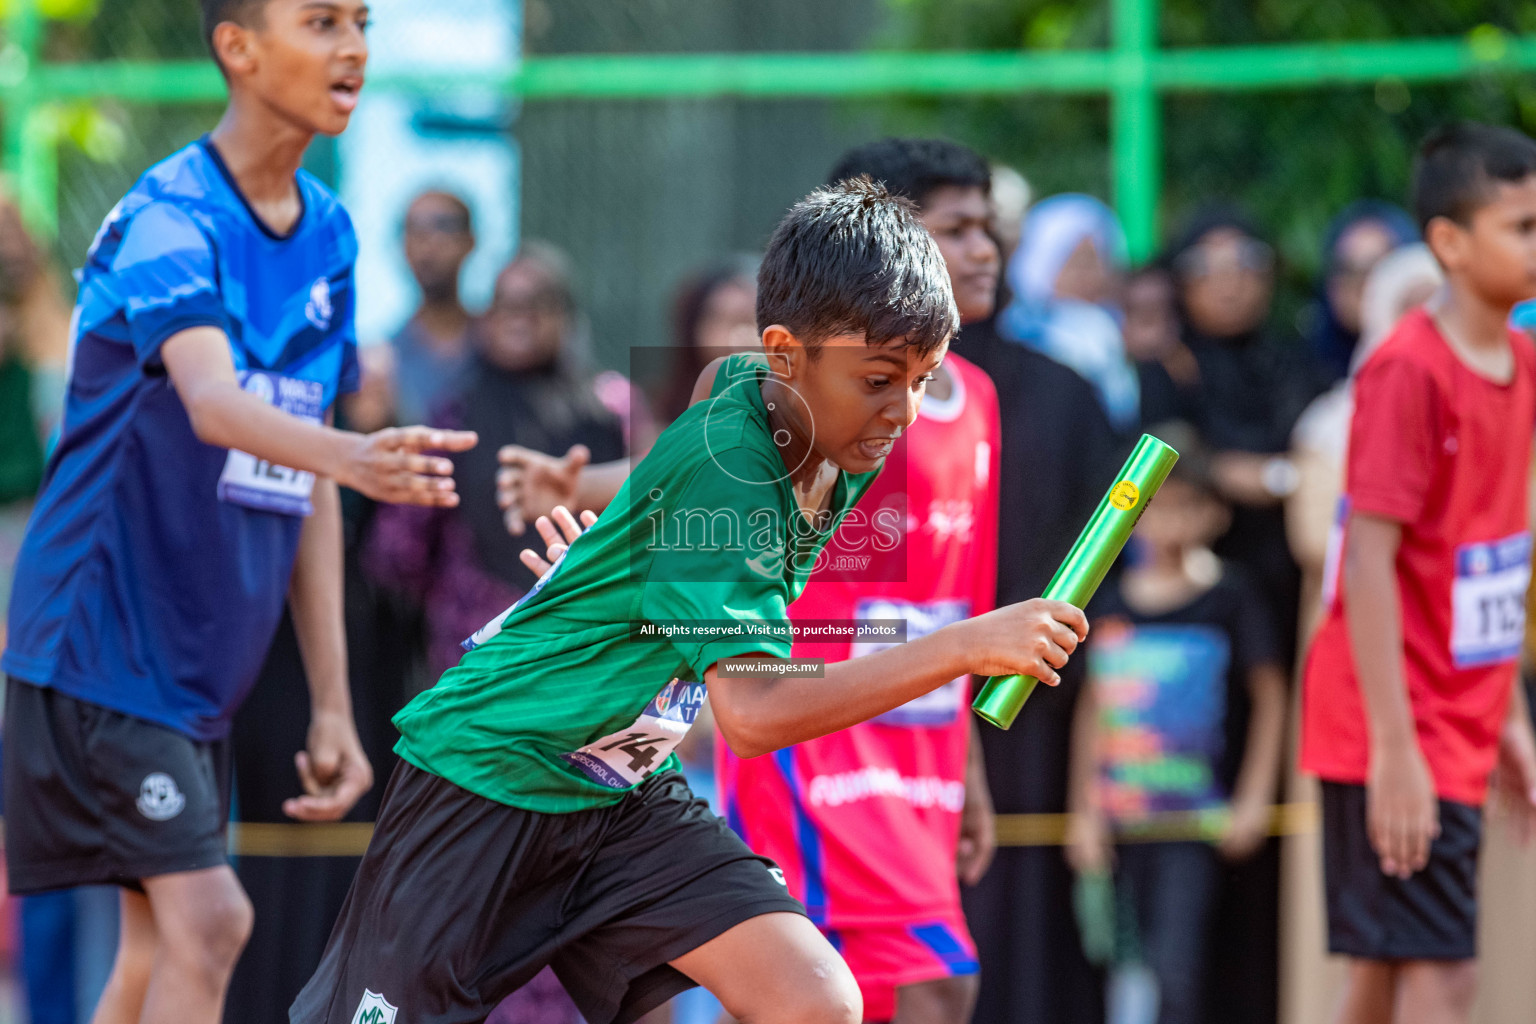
(95, 797)
(460, 900)
(1432, 915)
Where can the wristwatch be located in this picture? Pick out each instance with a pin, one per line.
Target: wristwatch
(1280, 476)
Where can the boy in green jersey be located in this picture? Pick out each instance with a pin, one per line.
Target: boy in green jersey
(538, 817)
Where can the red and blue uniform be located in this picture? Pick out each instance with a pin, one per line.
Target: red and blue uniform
(865, 822)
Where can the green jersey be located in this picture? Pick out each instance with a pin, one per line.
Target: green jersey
(582, 689)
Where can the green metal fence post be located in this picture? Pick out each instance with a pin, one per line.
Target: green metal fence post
(1135, 135)
(28, 147)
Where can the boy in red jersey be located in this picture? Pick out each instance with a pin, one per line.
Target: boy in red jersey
(1410, 698)
(875, 825)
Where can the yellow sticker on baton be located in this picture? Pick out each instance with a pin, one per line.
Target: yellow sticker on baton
(1125, 495)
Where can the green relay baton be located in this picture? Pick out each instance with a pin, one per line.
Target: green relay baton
(1083, 570)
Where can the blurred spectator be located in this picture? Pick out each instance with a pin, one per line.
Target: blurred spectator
(1184, 715)
(713, 310)
(1357, 240)
(433, 347)
(34, 347)
(1405, 278)
(525, 386)
(1165, 367)
(1250, 390)
(1011, 197)
(1059, 454)
(68, 938)
(1065, 277)
(1249, 393)
(372, 406)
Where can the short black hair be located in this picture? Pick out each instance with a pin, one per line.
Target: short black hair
(852, 258)
(1459, 165)
(913, 168)
(215, 12)
(557, 267)
(460, 207)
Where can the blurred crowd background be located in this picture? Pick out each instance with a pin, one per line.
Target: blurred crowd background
(547, 273)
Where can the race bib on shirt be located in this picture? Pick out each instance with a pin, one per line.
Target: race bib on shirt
(624, 758)
(1488, 601)
(266, 486)
(936, 707)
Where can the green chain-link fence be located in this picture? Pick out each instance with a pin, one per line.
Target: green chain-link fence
(634, 99)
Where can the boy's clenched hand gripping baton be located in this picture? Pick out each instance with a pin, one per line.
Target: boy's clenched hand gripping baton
(1083, 570)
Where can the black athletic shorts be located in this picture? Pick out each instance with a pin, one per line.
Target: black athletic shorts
(1430, 916)
(95, 797)
(460, 900)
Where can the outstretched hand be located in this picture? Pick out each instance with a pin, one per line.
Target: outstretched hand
(389, 465)
(531, 484)
(555, 543)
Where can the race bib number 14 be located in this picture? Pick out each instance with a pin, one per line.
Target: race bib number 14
(1488, 601)
(265, 486)
(624, 758)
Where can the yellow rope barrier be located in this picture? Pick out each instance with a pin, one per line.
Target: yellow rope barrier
(350, 839)
(281, 839)
(1051, 829)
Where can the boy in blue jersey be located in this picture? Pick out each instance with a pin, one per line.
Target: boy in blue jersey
(193, 489)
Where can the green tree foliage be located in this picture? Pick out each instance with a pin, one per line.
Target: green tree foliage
(1293, 158)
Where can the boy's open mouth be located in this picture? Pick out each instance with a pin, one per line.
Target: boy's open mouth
(876, 448)
(344, 91)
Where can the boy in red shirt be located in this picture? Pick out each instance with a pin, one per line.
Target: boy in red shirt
(1410, 696)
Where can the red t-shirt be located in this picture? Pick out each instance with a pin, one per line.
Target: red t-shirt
(1445, 452)
(864, 822)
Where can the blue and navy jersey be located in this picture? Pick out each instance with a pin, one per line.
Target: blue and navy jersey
(148, 582)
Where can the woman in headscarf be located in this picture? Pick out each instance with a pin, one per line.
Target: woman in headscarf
(1059, 455)
(1356, 241)
(1065, 277)
(1251, 388)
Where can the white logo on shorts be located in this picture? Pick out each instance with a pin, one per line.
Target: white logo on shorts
(778, 876)
(374, 1009)
(159, 799)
